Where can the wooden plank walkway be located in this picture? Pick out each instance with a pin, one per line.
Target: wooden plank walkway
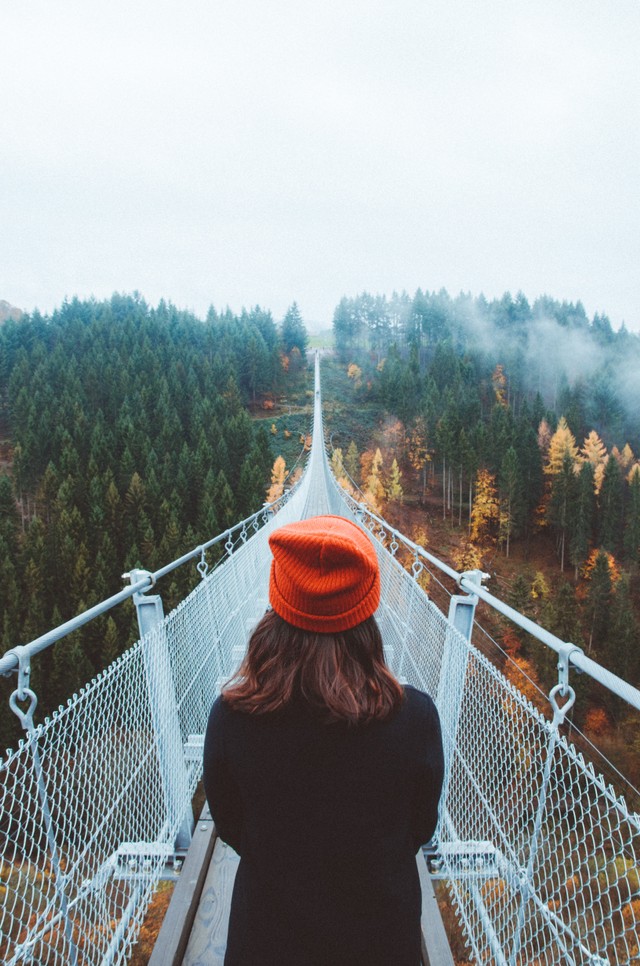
(194, 931)
(208, 939)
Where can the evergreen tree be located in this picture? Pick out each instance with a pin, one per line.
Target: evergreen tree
(619, 650)
(581, 517)
(598, 602)
(563, 620)
(611, 507)
(594, 451)
(561, 507)
(632, 519)
(511, 503)
(293, 332)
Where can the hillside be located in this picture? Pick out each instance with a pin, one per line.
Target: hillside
(8, 311)
(595, 604)
(128, 435)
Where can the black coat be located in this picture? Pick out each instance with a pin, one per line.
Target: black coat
(327, 820)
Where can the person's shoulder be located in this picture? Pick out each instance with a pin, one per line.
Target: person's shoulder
(220, 711)
(419, 703)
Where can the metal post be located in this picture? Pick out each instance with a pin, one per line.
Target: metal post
(164, 711)
(453, 670)
(462, 607)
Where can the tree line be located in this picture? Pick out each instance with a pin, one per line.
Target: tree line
(126, 440)
(512, 436)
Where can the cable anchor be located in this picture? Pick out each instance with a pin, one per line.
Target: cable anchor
(23, 690)
(202, 566)
(563, 688)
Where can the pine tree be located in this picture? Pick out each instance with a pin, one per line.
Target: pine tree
(620, 648)
(224, 502)
(632, 519)
(611, 507)
(510, 497)
(9, 533)
(293, 332)
(562, 503)
(581, 517)
(520, 599)
(563, 620)
(598, 601)
(249, 497)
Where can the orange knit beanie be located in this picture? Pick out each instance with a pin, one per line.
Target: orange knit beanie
(324, 574)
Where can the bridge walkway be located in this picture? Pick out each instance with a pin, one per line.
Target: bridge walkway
(194, 930)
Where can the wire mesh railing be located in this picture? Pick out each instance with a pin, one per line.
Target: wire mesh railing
(541, 855)
(539, 852)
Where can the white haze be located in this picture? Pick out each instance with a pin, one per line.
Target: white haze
(242, 153)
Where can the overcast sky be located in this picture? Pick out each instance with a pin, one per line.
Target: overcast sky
(239, 153)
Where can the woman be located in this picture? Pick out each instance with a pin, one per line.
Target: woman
(321, 771)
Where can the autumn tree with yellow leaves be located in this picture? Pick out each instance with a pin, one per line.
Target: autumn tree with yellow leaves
(278, 476)
(485, 513)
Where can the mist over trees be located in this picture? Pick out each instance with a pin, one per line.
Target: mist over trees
(580, 367)
(516, 421)
(125, 440)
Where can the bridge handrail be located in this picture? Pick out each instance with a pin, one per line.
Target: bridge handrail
(469, 581)
(11, 659)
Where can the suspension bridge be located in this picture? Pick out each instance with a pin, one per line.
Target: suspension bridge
(539, 852)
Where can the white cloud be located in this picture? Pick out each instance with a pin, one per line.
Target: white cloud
(242, 152)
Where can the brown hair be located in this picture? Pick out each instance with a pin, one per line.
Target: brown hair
(343, 675)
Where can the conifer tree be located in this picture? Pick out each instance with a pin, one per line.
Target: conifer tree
(632, 519)
(510, 497)
(224, 502)
(598, 601)
(293, 332)
(594, 451)
(611, 507)
(620, 649)
(562, 444)
(581, 517)
(563, 620)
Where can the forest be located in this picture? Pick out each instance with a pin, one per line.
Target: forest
(127, 437)
(500, 434)
(514, 429)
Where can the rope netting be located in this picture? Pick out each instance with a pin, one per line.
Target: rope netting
(539, 853)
